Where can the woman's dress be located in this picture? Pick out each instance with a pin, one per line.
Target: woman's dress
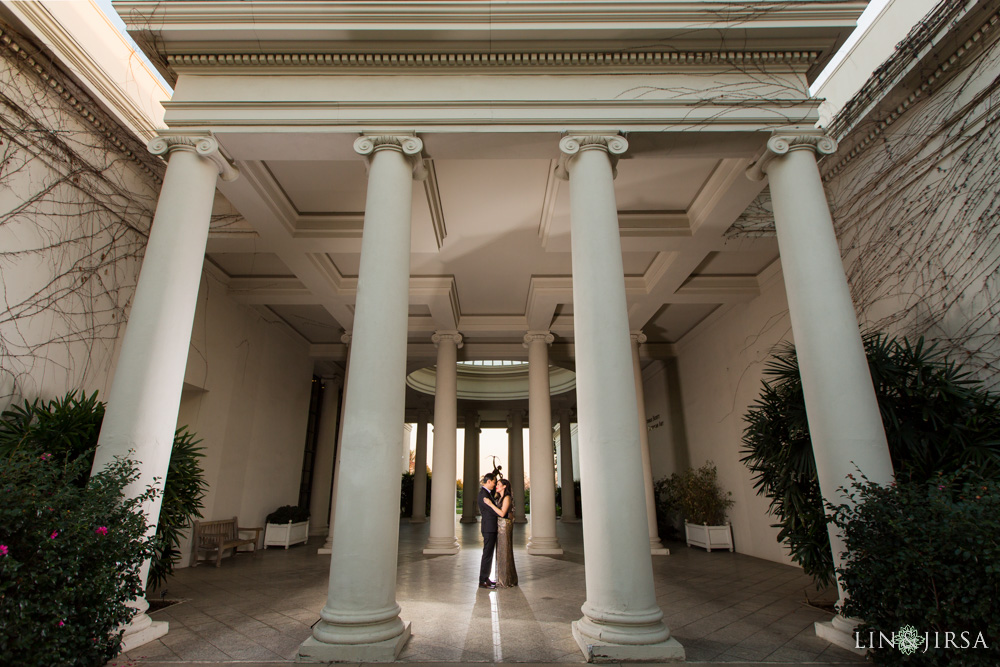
(506, 572)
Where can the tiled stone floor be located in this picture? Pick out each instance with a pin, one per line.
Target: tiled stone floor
(722, 607)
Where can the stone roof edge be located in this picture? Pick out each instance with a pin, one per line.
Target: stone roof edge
(898, 74)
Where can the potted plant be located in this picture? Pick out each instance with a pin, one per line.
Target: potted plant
(704, 506)
(286, 526)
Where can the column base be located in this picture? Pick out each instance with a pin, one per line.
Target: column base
(418, 519)
(327, 547)
(442, 546)
(599, 651)
(839, 631)
(656, 547)
(520, 520)
(545, 546)
(570, 519)
(154, 630)
(467, 519)
(314, 651)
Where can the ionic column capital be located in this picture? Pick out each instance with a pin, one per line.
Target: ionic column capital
(203, 146)
(538, 335)
(573, 144)
(346, 337)
(409, 146)
(638, 337)
(453, 336)
(786, 140)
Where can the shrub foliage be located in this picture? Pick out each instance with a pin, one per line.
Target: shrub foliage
(936, 419)
(70, 559)
(926, 555)
(67, 428)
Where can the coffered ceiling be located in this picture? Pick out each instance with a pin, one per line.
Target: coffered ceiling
(490, 239)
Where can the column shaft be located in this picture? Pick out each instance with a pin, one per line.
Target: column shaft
(541, 464)
(515, 456)
(442, 539)
(327, 547)
(145, 395)
(360, 621)
(844, 421)
(420, 470)
(656, 547)
(470, 474)
(621, 617)
(566, 469)
(326, 450)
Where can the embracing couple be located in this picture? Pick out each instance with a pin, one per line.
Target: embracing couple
(496, 506)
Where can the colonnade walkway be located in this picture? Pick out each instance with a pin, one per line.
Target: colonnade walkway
(723, 607)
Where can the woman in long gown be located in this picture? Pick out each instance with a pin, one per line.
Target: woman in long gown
(506, 572)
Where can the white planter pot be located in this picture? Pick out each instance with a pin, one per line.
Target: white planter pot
(286, 534)
(709, 537)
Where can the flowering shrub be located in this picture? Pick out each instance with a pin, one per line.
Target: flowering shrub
(925, 556)
(69, 559)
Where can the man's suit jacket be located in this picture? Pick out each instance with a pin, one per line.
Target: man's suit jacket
(489, 522)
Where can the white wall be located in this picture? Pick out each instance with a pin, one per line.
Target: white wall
(73, 222)
(718, 375)
(247, 389)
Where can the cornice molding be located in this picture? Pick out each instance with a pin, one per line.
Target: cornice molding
(65, 46)
(123, 141)
(866, 102)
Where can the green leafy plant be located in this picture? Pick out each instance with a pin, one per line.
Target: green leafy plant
(68, 428)
(289, 513)
(667, 506)
(697, 493)
(70, 559)
(406, 495)
(927, 555)
(936, 419)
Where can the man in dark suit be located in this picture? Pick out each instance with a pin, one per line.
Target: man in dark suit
(488, 526)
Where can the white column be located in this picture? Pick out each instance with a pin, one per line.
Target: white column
(404, 460)
(470, 474)
(566, 469)
(327, 547)
(621, 618)
(541, 465)
(326, 450)
(360, 621)
(145, 396)
(443, 469)
(420, 470)
(515, 458)
(656, 547)
(844, 421)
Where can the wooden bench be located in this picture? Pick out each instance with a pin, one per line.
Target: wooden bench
(217, 536)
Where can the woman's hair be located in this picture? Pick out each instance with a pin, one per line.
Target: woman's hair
(506, 486)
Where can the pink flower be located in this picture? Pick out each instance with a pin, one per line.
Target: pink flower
(61, 623)
(54, 535)
(103, 530)
(940, 488)
(46, 457)
(4, 550)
